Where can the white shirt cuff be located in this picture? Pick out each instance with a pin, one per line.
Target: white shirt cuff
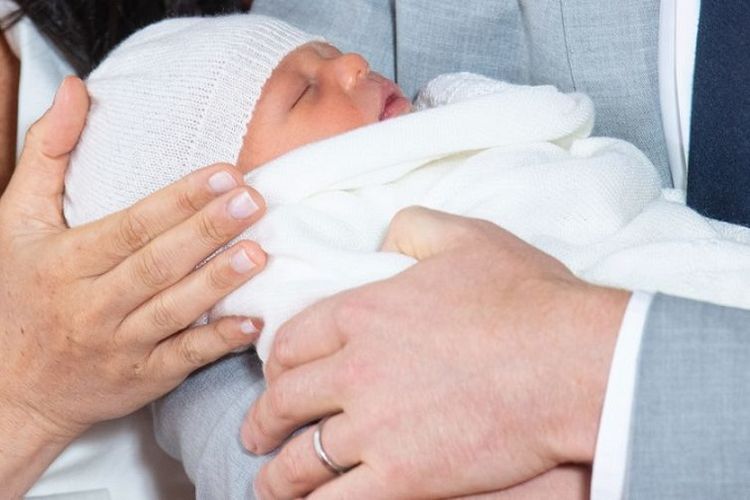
(611, 455)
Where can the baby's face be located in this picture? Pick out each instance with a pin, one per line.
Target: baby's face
(316, 92)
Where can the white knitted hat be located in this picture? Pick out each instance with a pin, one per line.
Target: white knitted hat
(174, 97)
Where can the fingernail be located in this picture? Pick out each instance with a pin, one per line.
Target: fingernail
(248, 327)
(241, 262)
(222, 182)
(242, 206)
(247, 440)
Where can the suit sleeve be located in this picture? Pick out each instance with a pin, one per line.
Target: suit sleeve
(690, 435)
(199, 424)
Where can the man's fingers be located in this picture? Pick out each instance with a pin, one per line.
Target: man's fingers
(297, 470)
(422, 233)
(175, 253)
(179, 306)
(360, 482)
(310, 335)
(119, 235)
(297, 397)
(37, 185)
(180, 355)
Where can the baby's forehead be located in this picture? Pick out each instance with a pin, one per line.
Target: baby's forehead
(317, 49)
(293, 67)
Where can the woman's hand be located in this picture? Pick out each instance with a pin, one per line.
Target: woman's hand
(94, 321)
(479, 368)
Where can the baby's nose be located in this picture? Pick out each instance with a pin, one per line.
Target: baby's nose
(350, 68)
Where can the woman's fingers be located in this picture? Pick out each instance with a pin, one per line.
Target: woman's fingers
(182, 354)
(36, 187)
(179, 306)
(175, 253)
(122, 234)
(297, 470)
(296, 398)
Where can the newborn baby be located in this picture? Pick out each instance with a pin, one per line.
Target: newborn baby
(253, 91)
(187, 93)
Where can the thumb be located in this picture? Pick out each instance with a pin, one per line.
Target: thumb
(422, 233)
(39, 179)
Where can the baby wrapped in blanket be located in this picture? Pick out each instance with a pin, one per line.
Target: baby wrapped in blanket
(181, 94)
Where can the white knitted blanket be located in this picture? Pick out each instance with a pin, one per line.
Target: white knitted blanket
(518, 156)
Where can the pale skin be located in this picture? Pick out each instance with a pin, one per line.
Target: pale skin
(562, 483)
(490, 356)
(475, 288)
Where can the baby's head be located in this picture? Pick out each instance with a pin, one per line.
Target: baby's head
(187, 93)
(316, 92)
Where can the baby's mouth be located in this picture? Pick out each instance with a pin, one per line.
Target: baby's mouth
(394, 102)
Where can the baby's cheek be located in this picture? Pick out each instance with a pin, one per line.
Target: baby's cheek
(345, 119)
(244, 160)
(264, 143)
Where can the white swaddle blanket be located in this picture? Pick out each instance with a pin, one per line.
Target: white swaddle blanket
(518, 156)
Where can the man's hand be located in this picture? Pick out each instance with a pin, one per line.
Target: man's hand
(569, 482)
(479, 368)
(94, 321)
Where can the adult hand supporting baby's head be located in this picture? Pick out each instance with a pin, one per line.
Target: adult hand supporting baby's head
(480, 367)
(93, 320)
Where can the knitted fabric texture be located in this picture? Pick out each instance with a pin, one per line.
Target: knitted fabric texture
(174, 97)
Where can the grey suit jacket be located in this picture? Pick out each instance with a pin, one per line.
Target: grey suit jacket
(690, 436)
(691, 428)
